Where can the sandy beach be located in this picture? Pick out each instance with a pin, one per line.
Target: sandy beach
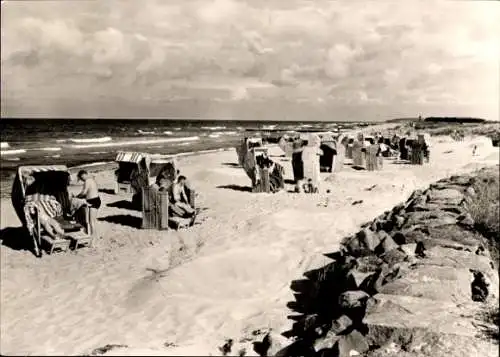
(222, 278)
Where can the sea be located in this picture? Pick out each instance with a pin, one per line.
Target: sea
(77, 142)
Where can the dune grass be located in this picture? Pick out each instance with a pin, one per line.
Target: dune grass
(485, 210)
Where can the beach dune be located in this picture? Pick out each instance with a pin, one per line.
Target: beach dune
(186, 292)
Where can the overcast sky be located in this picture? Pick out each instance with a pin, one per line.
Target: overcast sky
(253, 59)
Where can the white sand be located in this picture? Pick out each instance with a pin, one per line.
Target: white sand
(228, 276)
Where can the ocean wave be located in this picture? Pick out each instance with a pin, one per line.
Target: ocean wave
(167, 132)
(137, 142)
(142, 132)
(52, 156)
(12, 152)
(12, 159)
(269, 127)
(4, 145)
(222, 133)
(92, 164)
(213, 127)
(49, 149)
(104, 139)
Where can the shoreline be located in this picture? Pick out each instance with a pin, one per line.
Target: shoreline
(7, 174)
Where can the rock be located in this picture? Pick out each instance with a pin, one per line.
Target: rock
(386, 245)
(359, 277)
(454, 233)
(299, 347)
(325, 343)
(420, 250)
(470, 191)
(441, 283)
(399, 221)
(261, 347)
(409, 320)
(274, 342)
(399, 237)
(374, 282)
(226, 348)
(353, 299)
(409, 248)
(369, 264)
(447, 195)
(369, 239)
(429, 219)
(466, 220)
(377, 225)
(395, 256)
(417, 201)
(412, 198)
(340, 325)
(352, 344)
(479, 286)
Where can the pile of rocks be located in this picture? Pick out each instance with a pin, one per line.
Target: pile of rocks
(407, 281)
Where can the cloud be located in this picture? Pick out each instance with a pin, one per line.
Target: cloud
(344, 53)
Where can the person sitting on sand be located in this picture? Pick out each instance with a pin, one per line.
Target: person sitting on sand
(90, 193)
(179, 198)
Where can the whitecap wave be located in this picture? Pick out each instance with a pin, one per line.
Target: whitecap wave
(4, 145)
(104, 139)
(49, 149)
(213, 127)
(167, 132)
(137, 142)
(12, 159)
(12, 152)
(143, 132)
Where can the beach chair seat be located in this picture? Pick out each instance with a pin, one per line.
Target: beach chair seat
(81, 239)
(67, 225)
(179, 222)
(58, 243)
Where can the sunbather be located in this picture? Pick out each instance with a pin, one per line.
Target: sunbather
(180, 200)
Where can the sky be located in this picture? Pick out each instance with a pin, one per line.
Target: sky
(250, 59)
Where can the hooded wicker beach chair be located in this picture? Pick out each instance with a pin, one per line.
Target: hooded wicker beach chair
(41, 200)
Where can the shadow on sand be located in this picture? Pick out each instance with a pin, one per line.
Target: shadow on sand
(16, 238)
(231, 164)
(107, 191)
(236, 188)
(124, 204)
(124, 220)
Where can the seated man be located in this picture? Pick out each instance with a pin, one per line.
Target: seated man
(180, 200)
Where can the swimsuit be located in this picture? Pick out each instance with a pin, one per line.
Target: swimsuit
(94, 202)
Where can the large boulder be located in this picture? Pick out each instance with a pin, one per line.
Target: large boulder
(446, 195)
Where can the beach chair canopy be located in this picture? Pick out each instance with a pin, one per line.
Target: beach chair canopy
(128, 162)
(164, 164)
(50, 180)
(370, 139)
(130, 157)
(253, 142)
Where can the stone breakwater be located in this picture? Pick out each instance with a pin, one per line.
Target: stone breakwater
(409, 283)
